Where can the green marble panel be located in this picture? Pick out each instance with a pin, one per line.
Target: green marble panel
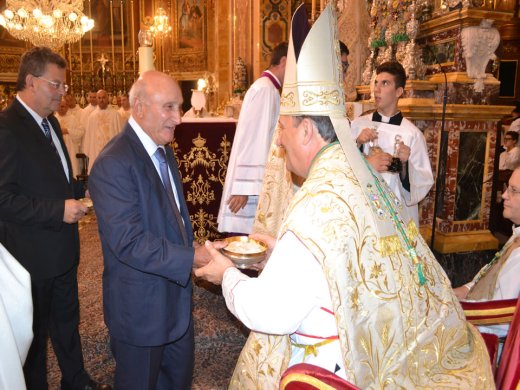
(470, 176)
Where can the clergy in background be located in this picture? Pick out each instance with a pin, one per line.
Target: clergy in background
(124, 110)
(103, 124)
(72, 133)
(253, 135)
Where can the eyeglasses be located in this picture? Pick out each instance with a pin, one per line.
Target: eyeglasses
(508, 139)
(512, 191)
(57, 85)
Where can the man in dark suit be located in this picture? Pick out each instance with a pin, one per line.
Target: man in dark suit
(39, 215)
(147, 241)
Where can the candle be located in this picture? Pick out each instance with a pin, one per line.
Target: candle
(201, 84)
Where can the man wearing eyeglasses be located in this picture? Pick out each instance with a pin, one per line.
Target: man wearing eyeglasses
(511, 156)
(39, 216)
(499, 278)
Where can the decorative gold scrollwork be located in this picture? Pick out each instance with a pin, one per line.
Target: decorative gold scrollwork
(203, 173)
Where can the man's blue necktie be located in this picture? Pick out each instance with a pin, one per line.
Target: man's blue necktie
(47, 131)
(165, 176)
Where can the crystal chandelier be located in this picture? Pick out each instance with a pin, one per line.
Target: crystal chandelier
(50, 23)
(160, 27)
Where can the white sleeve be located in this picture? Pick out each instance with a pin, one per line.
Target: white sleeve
(420, 170)
(283, 295)
(515, 125)
(508, 283)
(502, 161)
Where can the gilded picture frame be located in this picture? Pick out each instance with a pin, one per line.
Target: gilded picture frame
(190, 26)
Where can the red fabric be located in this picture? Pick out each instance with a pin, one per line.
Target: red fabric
(492, 347)
(305, 376)
(509, 369)
(489, 312)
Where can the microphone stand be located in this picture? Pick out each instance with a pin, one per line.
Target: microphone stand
(443, 153)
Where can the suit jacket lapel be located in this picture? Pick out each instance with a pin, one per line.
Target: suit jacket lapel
(33, 127)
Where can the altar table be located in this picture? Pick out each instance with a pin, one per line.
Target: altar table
(202, 147)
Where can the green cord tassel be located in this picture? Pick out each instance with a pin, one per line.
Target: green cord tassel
(422, 279)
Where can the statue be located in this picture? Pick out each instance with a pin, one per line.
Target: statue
(479, 44)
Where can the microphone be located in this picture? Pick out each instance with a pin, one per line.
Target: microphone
(443, 150)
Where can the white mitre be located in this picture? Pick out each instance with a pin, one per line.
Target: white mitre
(313, 82)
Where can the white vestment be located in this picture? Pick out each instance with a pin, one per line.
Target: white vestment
(16, 315)
(509, 159)
(507, 285)
(73, 138)
(344, 283)
(419, 167)
(102, 126)
(255, 128)
(85, 113)
(125, 114)
(76, 111)
(515, 125)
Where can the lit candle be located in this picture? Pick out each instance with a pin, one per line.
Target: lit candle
(201, 84)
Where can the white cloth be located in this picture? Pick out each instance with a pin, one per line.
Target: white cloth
(125, 114)
(73, 138)
(287, 297)
(102, 126)
(419, 167)
(83, 119)
(76, 111)
(515, 125)
(255, 128)
(54, 136)
(16, 314)
(85, 113)
(509, 159)
(508, 285)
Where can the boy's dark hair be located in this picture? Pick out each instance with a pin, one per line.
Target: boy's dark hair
(278, 52)
(396, 70)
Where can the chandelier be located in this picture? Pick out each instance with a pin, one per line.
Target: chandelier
(160, 27)
(50, 23)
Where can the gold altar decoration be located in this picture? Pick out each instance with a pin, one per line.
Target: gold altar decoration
(49, 23)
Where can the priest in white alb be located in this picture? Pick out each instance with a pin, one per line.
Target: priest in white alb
(253, 135)
(72, 132)
(102, 125)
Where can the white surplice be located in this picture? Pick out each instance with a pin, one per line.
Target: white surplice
(419, 167)
(102, 126)
(16, 316)
(125, 114)
(507, 286)
(509, 159)
(255, 128)
(515, 125)
(73, 138)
